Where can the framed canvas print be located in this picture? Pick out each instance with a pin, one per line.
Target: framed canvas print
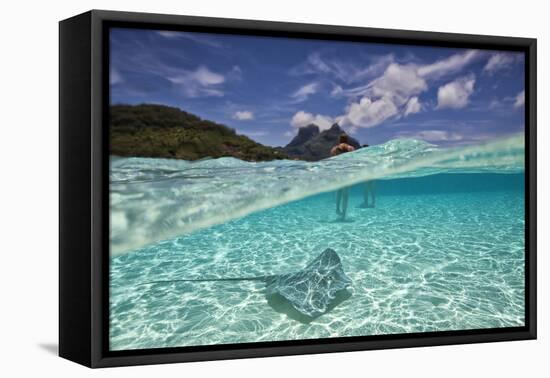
(234, 188)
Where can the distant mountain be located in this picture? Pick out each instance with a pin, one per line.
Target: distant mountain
(150, 130)
(304, 135)
(312, 144)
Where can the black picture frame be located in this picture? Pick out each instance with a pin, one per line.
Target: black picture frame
(84, 204)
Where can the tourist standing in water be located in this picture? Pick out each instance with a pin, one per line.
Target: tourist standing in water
(342, 195)
(368, 188)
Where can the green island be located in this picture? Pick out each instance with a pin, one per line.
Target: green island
(159, 131)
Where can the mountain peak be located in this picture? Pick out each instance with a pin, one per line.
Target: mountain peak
(305, 133)
(311, 126)
(312, 144)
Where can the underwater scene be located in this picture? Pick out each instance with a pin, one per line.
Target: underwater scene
(230, 251)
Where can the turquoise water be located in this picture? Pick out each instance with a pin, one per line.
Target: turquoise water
(443, 249)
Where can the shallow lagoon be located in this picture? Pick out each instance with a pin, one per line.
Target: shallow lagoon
(438, 252)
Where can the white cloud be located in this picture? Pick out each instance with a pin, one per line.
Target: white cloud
(317, 63)
(337, 90)
(200, 82)
(305, 91)
(169, 34)
(456, 94)
(206, 77)
(520, 99)
(302, 118)
(413, 106)
(195, 37)
(343, 70)
(376, 68)
(395, 92)
(452, 64)
(235, 73)
(243, 115)
(114, 77)
(498, 61)
(368, 113)
(399, 83)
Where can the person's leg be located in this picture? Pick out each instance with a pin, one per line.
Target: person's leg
(338, 200)
(365, 202)
(372, 192)
(345, 197)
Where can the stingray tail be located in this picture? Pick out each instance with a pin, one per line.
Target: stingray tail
(259, 278)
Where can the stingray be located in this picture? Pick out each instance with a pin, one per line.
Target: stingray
(311, 291)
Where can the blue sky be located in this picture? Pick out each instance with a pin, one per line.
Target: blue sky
(267, 88)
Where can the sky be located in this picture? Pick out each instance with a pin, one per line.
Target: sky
(267, 87)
